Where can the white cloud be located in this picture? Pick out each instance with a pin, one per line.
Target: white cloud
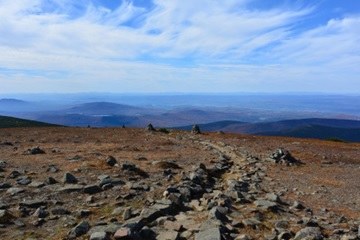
(81, 46)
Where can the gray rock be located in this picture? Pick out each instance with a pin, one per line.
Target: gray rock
(243, 237)
(5, 185)
(272, 197)
(349, 237)
(71, 188)
(51, 180)
(123, 233)
(60, 211)
(84, 213)
(217, 213)
(285, 235)
(127, 213)
(298, 206)
(19, 223)
(209, 234)
(110, 229)
(251, 222)
(117, 211)
(33, 203)
(79, 230)
(14, 190)
(6, 217)
(4, 205)
(168, 235)
(309, 233)
(52, 169)
(36, 184)
(92, 189)
(35, 150)
(99, 236)
(14, 174)
(281, 225)
(3, 164)
(265, 204)
(40, 213)
(69, 178)
(111, 161)
(24, 180)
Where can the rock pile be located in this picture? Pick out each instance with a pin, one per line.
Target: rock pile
(281, 156)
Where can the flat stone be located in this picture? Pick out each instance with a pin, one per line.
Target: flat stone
(71, 188)
(167, 235)
(99, 236)
(110, 229)
(36, 184)
(251, 222)
(309, 233)
(349, 237)
(265, 204)
(123, 233)
(272, 197)
(33, 203)
(243, 237)
(172, 225)
(117, 211)
(209, 234)
(24, 180)
(15, 190)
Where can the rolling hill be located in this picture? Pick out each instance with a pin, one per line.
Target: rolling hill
(11, 122)
(320, 132)
(348, 130)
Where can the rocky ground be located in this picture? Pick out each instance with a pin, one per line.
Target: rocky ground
(87, 183)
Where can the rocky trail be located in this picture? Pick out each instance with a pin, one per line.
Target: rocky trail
(225, 193)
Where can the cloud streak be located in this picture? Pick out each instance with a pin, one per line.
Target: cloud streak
(172, 46)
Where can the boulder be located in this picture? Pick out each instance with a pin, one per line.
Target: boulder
(79, 230)
(69, 178)
(111, 161)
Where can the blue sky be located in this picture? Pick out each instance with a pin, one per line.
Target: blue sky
(179, 46)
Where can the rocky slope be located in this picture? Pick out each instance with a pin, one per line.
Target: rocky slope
(87, 183)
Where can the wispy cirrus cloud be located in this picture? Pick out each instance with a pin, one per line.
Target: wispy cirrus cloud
(172, 46)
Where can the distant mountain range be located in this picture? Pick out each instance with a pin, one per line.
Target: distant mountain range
(226, 119)
(348, 130)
